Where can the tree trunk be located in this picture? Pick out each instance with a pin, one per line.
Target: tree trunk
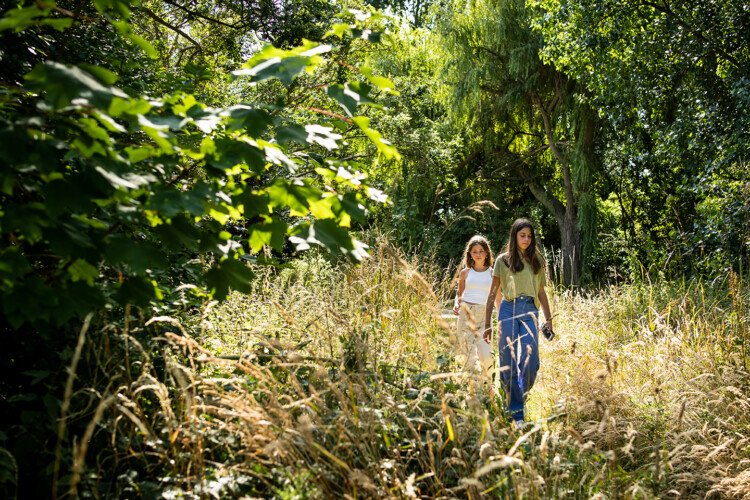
(570, 249)
(567, 221)
(566, 215)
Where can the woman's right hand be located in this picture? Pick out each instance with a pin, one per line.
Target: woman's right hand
(456, 309)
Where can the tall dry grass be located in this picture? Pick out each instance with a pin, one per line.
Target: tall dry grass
(656, 378)
(342, 381)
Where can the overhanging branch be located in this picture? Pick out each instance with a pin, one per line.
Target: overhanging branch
(174, 28)
(202, 16)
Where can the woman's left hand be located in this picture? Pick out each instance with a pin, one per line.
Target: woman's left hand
(547, 331)
(487, 335)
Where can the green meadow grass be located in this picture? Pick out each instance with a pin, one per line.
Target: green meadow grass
(343, 382)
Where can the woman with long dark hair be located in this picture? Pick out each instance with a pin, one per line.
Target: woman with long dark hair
(520, 275)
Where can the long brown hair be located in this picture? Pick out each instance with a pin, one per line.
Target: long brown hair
(477, 240)
(511, 254)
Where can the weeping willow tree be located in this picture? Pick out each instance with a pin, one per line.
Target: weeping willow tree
(527, 120)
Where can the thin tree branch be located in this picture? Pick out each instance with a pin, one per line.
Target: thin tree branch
(548, 128)
(174, 28)
(568, 182)
(202, 16)
(519, 164)
(556, 98)
(354, 157)
(328, 113)
(492, 52)
(516, 133)
(68, 13)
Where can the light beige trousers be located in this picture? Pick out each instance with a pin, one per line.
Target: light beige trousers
(476, 352)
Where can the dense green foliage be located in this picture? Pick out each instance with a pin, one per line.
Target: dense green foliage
(141, 196)
(526, 119)
(653, 132)
(672, 82)
(101, 191)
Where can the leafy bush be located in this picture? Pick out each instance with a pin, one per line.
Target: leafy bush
(122, 202)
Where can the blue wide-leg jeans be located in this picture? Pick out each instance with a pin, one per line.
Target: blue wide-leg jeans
(519, 351)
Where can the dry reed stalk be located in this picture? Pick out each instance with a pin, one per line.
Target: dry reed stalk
(66, 401)
(79, 453)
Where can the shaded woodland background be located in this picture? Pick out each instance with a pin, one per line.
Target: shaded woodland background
(188, 189)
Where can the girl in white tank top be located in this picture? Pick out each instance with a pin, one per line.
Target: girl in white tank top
(474, 282)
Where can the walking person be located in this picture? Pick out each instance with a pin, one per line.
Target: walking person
(474, 281)
(519, 275)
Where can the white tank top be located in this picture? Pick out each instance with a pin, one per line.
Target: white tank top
(478, 286)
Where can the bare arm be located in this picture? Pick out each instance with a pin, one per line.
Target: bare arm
(492, 299)
(461, 288)
(544, 302)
